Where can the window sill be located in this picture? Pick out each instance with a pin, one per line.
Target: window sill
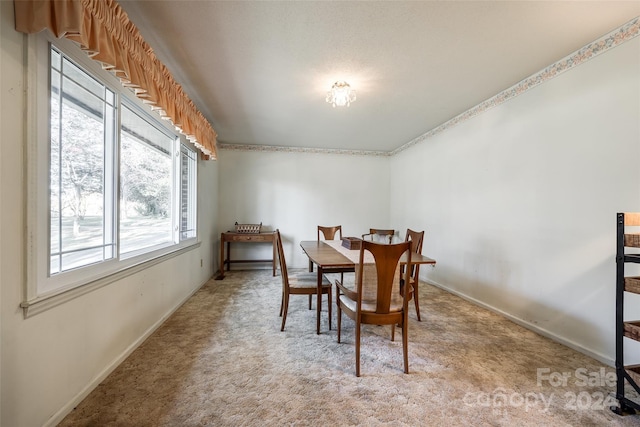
(40, 304)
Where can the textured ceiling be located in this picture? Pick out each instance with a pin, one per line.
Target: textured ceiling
(260, 70)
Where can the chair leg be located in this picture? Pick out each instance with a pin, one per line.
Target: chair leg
(405, 343)
(415, 300)
(329, 302)
(286, 308)
(393, 332)
(339, 316)
(310, 297)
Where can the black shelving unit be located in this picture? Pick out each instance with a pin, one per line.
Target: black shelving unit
(624, 328)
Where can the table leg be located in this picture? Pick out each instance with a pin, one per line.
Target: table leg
(221, 275)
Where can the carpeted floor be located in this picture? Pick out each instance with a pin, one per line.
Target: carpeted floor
(221, 360)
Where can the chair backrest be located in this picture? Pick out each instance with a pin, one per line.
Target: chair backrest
(380, 235)
(283, 262)
(416, 238)
(379, 284)
(329, 233)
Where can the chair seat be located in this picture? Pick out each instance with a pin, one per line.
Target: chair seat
(367, 306)
(307, 280)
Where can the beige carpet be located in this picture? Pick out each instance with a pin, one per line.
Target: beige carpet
(221, 360)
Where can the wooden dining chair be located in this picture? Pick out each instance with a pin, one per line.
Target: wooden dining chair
(329, 233)
(298, 284)
(380, 235)
(377, 298)
(416, 238)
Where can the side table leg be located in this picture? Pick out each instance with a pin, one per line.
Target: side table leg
(274, 256)
(221, 275)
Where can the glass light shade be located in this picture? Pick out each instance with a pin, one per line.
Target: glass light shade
(341, 94)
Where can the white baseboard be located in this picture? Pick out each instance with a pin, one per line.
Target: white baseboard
(66, 409)
(535, 328)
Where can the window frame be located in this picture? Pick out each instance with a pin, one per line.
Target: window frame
(42, 291)
(192, 177)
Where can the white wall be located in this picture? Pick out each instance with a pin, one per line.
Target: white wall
(519, 203)
(296, 192)
(48, 362)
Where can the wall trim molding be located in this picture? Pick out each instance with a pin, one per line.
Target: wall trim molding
(308, 150)
(626, 32)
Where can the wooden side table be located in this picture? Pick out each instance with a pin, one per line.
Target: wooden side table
(231, 236)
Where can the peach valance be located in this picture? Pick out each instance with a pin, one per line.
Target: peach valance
(104, 31)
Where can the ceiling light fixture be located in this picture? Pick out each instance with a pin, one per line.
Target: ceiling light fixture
(341, 94)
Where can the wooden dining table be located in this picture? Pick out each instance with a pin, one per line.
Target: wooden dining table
(330, 255)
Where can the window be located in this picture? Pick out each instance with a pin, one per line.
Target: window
(188, 193)
(111, 186)
(146, 166)
(82, 143)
